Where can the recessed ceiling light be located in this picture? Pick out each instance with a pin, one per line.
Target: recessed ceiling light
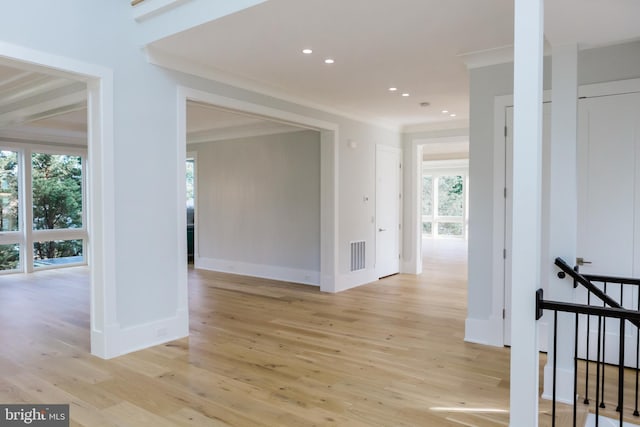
(307, 51)
(405, 94)
(393, 89)
(329, 61)
(445, 111)
(452, 115)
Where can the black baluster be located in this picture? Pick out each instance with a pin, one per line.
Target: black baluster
(575, 373)
(604, 351)
(598, 372)
(635, 412)
(555, 358)
(621, 356)
(586, 385)
(621, 373)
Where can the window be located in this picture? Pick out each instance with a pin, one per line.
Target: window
(9, 211)
(444, 199)
(57, 191)
(57, 206)
(55, 209)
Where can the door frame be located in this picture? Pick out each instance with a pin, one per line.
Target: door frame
(104, 328)
(330, 280)
(500, 235)
(412, 207)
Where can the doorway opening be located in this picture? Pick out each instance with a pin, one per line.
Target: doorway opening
(56, 201)
(284, 238)
(444, 181)
(190, 167)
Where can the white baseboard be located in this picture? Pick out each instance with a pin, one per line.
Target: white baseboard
(484, 331)
(355, 279)
(411, 268)
(153, 333)
(564, 384)
(305, 277)
(104, 343)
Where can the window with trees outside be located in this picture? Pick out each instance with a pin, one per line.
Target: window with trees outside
(444, 200)
(46, 229)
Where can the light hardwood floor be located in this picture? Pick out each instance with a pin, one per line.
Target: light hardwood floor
(263, 353)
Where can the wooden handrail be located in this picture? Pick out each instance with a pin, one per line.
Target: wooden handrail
(135, 2)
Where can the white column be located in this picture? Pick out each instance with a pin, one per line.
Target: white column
(528, 48)
(563, 212)
(412, 208)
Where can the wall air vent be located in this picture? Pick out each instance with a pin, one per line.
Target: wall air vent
(357, 255)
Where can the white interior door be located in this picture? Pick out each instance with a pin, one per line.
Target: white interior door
(546, 141)
(388, 199)
(608, 204)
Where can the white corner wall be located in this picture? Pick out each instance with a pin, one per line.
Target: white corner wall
(258, 206)
(598, 65)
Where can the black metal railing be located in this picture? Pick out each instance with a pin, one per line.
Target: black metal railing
(606, 298)
(623, 315)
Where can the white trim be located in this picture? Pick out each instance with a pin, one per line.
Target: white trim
(564, 383)
(182, 292)
(446, 125)
(328, 170)
(101, 221)
(412, 177)
(486, 57)
(285, 274)
(150, 8)
(225, 134)
(445, 167)
(169, 20)
(617, 87)
(172, 62)
(150, 334)
(484, 331)
(354, 279)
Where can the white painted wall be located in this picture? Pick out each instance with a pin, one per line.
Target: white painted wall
(259, 206)
(148, 266)
(594, 65)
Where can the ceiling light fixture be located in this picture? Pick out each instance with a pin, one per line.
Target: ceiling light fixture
(393, 89)
(307, 51)
(445, 111)
(452, 115)
(405, 94)
(329, 61)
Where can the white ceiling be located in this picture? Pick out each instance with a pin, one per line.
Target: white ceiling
(409, 44)
(418, 46)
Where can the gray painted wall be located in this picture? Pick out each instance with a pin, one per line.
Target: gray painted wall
(259, 200)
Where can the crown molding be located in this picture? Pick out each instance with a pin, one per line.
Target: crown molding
(236, 132)
(462, 124)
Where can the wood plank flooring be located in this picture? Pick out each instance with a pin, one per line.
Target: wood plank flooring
(263, 353)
